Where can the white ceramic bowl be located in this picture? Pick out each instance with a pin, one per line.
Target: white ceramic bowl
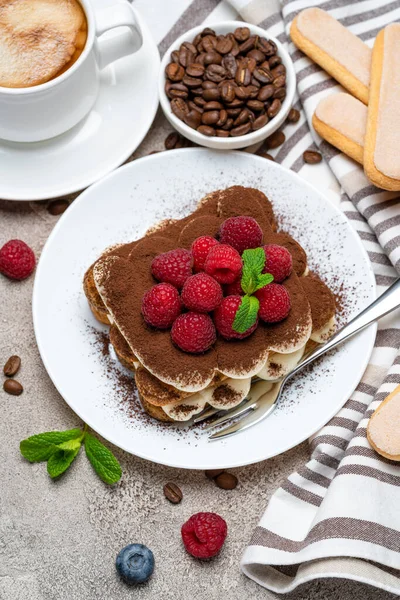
(242, 141)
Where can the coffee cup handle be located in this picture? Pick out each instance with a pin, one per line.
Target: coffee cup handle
(127, 42)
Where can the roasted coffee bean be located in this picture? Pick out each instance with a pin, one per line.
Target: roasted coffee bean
(213, 105)
(252, 91)
(230, 65)
(241, 92)
(212, 58)
(222, 133)
(226, 481)
(252, 116)
(278, 82)
(257, 55)
(233, 112)
(213, 473)
(200, 58)
(223, 117)
(191, 82)
(242, 117)
(211, 94)
(255, 105)
(190, 47)
(197, 91)
(274, 61)
(210, 117)
(267, 156)
(236, 103)
(171, 140)
(279, 70)
(197, 40)
(209, 43)
(13, 387)
(241, 130)
(175, 56)
(193, 118)
(229, 123)
(243, 74)
(274, 108)
(57, 207)
(173, 493)
(275, 140)
(260, 122)
(280, 93)
(255, 83)
(262, 75)
(199, 101)
(175, 72)
(178, 90)
(235, 47)
(208, 31)
(179, 108)
(12, 366)
(311, 157)
(248, 45)
(194, 106)
(227, 92)
(195, 70)
(241, 34)
(224, 45)
(266, 46)
(266, 92)
(215, 73)
(206, 85)
(205, 130)
(293, 116)
(186, 56)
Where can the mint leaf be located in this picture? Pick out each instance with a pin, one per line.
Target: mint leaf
(253, 265)
(246, 315)
(59, 462)
(263, 280)
(40, 447)
(103, 461)
(70, 445)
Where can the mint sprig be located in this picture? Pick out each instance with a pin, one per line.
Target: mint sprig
(60, 448)
(253, 279)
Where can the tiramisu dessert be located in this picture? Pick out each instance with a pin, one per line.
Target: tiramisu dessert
(201, 306)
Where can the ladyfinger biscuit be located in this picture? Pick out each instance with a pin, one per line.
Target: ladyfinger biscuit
(381, 150)
(341, 120)
(334, 48)
(383, 431)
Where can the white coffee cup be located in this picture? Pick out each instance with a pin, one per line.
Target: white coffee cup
(49, 109)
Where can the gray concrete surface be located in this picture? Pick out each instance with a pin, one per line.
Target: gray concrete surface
(58, 540)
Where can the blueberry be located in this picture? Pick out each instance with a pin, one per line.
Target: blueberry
(135, 563)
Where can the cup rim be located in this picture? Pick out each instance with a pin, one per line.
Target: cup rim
(239, 141)
(89, 13)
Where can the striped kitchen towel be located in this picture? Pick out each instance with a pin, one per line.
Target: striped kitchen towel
(339, 515)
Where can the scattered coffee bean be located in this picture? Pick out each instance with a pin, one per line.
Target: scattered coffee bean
(236, 82)
(213, 473)
(57, 207)
(275, 140)
(226, 481)
(267, 156)
(311, 157)
(12, 366)
(173, 493)
(293, 116)
(13, 387)
(171, 140)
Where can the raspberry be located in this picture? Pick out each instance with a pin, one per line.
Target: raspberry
(204, 534)
(193, 332)
(201, 293)
(274, 303)
(241, 233)
(17, 260)
(161, 305)
(223, 263)
(234, 289)
(200, 248)
(278, 262)
(224, 317)
(173, 267)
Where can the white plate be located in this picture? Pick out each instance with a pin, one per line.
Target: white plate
(169, 185)
(123, 113)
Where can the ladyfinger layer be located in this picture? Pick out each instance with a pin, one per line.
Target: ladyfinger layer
(381, 155)
(334, 48)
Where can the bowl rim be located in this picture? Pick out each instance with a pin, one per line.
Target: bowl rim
(249, 138)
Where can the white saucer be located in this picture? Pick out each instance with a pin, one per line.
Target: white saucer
(119, 121)
(120, 208)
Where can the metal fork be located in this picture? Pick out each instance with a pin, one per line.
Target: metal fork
(252, 411)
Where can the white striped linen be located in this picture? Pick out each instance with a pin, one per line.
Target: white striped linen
(338, 516)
